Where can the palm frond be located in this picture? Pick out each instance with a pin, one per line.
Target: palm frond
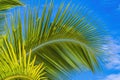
(7, 4)
(66, 43)
(17, 65)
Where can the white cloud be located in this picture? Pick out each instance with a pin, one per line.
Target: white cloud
(112, 77)
(112, 57)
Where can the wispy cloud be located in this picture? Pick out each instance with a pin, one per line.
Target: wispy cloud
(113, 62)
(112, 77)
(112, 49)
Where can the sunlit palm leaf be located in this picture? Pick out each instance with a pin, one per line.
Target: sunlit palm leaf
(17, 66)
(66, 43)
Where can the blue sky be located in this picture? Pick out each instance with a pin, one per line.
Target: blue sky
(108, 11)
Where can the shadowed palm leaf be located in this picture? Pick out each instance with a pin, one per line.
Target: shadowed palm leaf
(2, 17)
(17, 66)
(66, 43)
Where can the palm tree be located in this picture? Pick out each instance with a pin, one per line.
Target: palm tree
(69, 42)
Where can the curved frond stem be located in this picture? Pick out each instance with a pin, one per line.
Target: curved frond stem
(18, 77)
(57, 41)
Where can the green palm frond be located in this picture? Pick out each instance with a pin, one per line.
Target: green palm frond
(17, 65)
(7, 4)
(66, 43)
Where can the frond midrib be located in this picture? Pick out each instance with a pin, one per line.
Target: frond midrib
(59, 40)
(18, 76)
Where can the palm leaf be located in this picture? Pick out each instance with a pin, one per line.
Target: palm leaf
(13, 66)
(66, 43)
(7, 4)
